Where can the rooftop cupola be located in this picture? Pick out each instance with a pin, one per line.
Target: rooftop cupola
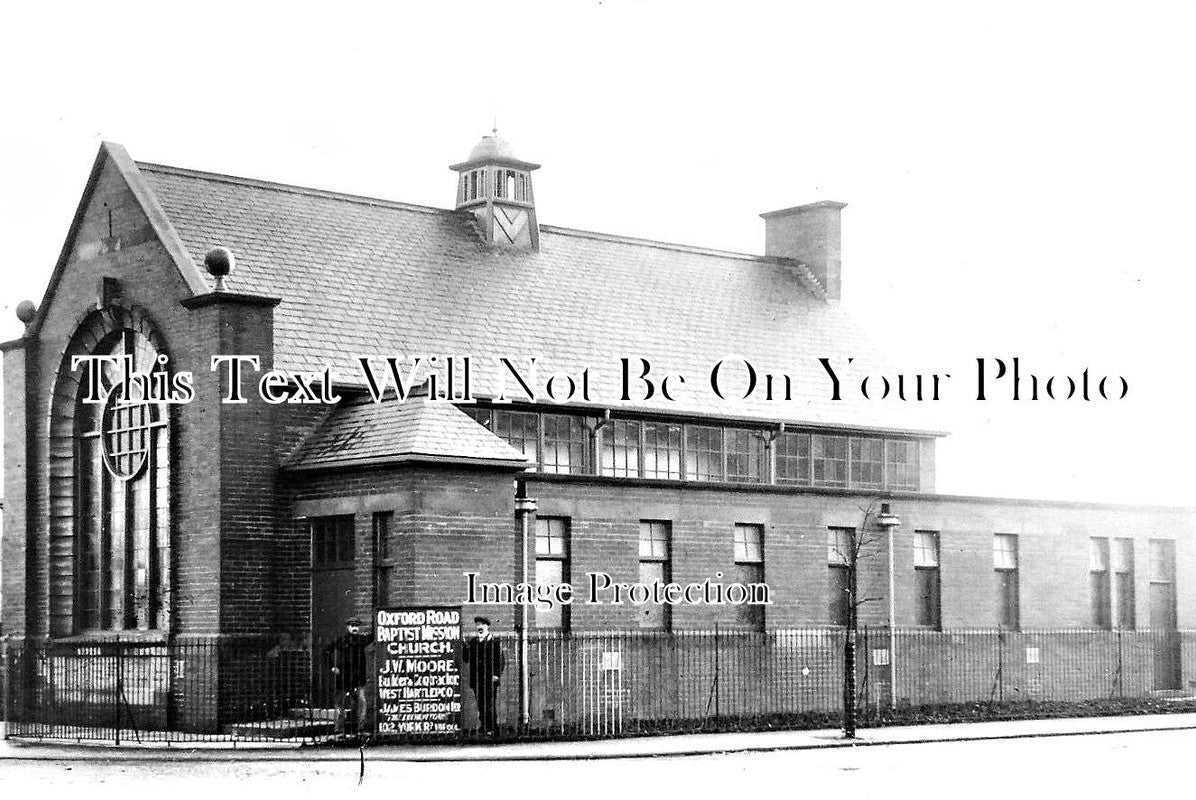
(496, 187)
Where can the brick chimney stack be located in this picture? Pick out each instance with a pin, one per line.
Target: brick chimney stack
(809, 234)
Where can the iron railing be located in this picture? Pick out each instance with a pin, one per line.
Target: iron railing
(581, 684)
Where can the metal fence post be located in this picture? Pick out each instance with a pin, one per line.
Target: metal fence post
(5, 680)
(1001, 667)
(120, 688)
(717, 691)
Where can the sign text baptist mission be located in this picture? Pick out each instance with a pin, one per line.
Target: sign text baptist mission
(418, 661)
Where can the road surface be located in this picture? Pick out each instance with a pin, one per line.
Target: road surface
(1119, 765)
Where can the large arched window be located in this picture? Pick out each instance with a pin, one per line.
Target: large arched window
(122, 496)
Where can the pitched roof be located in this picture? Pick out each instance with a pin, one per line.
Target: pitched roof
(115, 155)
(361, 276)
(361, 432)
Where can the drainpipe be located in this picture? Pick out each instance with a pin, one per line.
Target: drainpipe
(524, 508)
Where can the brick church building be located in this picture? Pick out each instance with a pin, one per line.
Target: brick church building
(165, 524)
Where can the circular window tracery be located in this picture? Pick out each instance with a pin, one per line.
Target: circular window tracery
(125, 433)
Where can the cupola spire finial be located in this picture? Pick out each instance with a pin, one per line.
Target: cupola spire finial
(496, 187)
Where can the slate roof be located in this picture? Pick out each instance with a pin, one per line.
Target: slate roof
(361, 276)
(361, 432)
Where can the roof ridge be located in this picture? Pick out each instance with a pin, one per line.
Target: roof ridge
(289, 188)
(659, 243)
(332, 194)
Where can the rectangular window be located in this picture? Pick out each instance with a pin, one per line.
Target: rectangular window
(1162, 596)
(1162, 560)
(793, 459)
(927, 586)
(565, 444)
(840, 543)
(552, 567)
(703, 453)
(745, 456)
(662, 450)
(867, 463)
(749, 568)
(655, 555)
(1005, 563)
(1122, 563)
(1098, 576)
(332, 541)
(621, 448)
(384, 591)
(902, 471)
(521, 430)
(829, 455)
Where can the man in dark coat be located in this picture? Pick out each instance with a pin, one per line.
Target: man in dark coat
(484, 656)
(347, 663)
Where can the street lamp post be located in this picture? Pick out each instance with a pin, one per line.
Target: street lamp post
(890, 522)
(524, 507)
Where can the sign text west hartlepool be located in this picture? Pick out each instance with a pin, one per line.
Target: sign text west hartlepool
(418, 658)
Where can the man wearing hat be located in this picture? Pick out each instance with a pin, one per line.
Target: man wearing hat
(484, 657)
(347, 660)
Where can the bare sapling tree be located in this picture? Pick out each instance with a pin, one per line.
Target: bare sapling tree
(848, 546)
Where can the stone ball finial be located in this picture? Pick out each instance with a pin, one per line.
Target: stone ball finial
(219, 262)
(26, 310)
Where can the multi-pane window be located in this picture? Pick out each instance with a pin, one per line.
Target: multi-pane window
(1005, 564)
(566, 443)
(902, 470)
(662, 450)
(1111, 572)
(521, 430)
(332, 540)
(122, 494)
(384, 590)
(552, 567)
(745, 456)
(927, 585)
(1122, 563)
(703, 453)
(749, 568)
(840, 546)
(867, 463)
(829, 456)
(793, 459)
(655, 555)
(628, 448)
(1098, 576)
(621, 448)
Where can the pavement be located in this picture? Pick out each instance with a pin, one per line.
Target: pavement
(623, 748)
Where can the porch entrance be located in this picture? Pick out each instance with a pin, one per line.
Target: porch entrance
(333, 585)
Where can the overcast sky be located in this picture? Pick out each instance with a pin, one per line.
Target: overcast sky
(1019, 176)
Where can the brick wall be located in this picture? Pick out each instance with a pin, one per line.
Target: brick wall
(16, 496)
(450, 522)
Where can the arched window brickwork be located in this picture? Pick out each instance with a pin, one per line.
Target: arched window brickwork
(110, 526)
